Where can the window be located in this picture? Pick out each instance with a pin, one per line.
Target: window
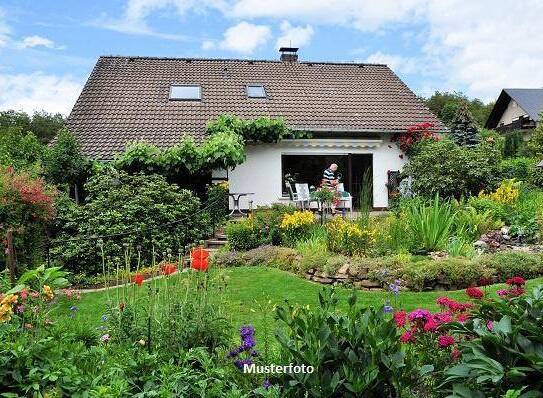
(186, 93)
(256, 91)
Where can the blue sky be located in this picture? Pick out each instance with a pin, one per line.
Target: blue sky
(48, 47)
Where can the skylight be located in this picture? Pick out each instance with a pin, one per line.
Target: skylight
(186, 93)
(256, 91)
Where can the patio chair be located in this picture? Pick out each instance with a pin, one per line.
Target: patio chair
(293, 196)
(302, 192)
(345, 199)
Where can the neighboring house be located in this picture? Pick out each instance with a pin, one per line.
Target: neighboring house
(350, 109)
(516, 109)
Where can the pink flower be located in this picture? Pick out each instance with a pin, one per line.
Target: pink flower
(443, 301)
(400, 318)
(407, 337)
(443, 317)
(105, 338)
(430, 325)
(23, 294)
(516, 291)
(419, 314)
(490, 325)
(462, 318)
(474, 292)
(502, 292)
(445, 340)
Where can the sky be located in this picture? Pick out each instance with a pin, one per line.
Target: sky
(49, 47)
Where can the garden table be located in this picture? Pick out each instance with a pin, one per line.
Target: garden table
(235, 197)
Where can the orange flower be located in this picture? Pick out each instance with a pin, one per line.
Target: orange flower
(138, 279)
(199, 258)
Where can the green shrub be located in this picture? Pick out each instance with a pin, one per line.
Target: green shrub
(470, 224)
(242, 235)
(354, 354)
(272, 256)
(444, 168)
(267, 220)
(217, 202)
(507, 264)
(431, 223)
(498, 211)
(313, 251)
(393, 234)
(450, 273)
(518, 168)
(119, 205)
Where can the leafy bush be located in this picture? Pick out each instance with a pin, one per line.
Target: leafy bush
(242, 235)
(507, 193)
(471, 224)
(392, 234)
(267, 221)
(430, 223)
(217, 202)
(262, 129)
(314, 252)
(118, 206)
(518, 168)
(279, 257)
(348, 237)
(507, 264)
(20, 149)
(354, 354)
(500, 348)
(444, 168)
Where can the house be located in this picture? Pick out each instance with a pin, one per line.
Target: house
(351, 110)
(516, 109)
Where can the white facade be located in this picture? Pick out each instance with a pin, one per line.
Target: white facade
(261, 172)
(512, 112)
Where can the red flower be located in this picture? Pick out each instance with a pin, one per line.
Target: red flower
(400, 318)
(445, 340)
(168, 269)
(442, 317)
(138, 279)
(462, 318)
(199, 259)
(474, 292)
(407, 337)
(516, 291)
(455, 354)
(431, 325)
(516, 280)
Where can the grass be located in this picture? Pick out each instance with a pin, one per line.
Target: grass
(251, 293)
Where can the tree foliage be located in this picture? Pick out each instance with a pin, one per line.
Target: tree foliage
(463, 127)
(44, 125)
(64, 163)
(444, 105)
(20, 150)
(260, 130)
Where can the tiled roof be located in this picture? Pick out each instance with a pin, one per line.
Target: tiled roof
(127, 99)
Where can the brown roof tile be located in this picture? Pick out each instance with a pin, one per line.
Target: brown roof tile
(127, 99)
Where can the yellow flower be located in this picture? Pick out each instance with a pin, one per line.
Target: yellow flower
(507, 193)
(48, 293)
(5, 312)
(9, 299)
(297, 220)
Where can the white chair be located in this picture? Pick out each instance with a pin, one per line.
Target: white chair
(303, 196)
(345, 199)
(294, 196)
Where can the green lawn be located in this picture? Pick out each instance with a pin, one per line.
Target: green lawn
(250, 288)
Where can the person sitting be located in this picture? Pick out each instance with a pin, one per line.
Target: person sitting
(330, 181)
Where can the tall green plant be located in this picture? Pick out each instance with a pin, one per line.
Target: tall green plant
(365, 197)
(431, 223)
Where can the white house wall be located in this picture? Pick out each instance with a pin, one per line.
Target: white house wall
(512, 112)
(261, 172)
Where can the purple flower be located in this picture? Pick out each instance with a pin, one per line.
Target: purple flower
(395, 287)
(388, 309)
(267, 384)
(419, 313)
(241, 362)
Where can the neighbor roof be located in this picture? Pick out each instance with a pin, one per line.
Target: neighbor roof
(529, 99)
(127, 99)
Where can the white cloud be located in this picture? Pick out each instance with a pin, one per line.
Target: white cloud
(245, 37)
(38, 91)
(369, 15)
(208, 45)
(39, 41)
(294, 36)
(398, 64)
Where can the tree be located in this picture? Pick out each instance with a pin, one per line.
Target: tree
(64, 162)
(534, 146)
(444, 105)
(463, 127)
(20, 149)
(44, 125)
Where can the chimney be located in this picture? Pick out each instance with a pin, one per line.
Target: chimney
(289, 54)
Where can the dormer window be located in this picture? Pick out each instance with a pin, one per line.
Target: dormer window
(185, 93)
(256, 91)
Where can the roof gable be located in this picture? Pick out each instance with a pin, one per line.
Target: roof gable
(127, 99)
(529, 99)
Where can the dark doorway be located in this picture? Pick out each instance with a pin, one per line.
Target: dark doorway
(308, 169)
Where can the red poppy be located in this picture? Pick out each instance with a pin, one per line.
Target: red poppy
(168, 269)
(200, 264)
(199, 253)
(138, 279)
